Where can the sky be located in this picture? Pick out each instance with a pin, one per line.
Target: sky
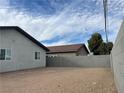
(58, 22)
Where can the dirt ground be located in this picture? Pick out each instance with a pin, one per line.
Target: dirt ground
(58, 80)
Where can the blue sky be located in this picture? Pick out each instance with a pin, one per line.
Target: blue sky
(57, 22)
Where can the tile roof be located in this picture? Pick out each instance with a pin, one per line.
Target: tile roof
(66, 48)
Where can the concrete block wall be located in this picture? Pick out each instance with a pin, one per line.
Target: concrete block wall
(78, 61)
(117, 60)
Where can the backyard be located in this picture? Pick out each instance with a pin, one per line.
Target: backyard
(58, 80)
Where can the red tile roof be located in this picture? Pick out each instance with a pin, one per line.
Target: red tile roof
(66, 48)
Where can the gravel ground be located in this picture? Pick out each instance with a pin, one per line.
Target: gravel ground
(58, 80)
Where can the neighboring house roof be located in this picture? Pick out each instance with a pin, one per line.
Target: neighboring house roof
(25, 34)
(66, 48)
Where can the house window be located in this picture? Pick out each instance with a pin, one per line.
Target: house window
(8, 54)
(5, 54)
(2, 54)
(37, 55)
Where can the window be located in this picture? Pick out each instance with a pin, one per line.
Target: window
(2, 54)
(37, 55)
(8, 54)
(5, 54)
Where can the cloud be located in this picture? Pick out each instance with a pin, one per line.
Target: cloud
(62, 42)
(3, 3)
(72, 24)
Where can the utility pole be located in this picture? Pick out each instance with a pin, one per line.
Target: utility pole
(105, 5)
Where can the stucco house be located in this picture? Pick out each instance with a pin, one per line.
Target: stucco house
(68, 50)
(19, 50)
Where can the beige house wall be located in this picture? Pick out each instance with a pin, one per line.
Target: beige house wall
(82, 52)
(22, 52)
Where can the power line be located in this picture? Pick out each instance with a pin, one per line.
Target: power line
(105, 5)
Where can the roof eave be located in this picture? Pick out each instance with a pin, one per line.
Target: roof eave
(26, 35)
(62, 52)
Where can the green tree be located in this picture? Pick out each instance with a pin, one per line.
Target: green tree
(109, 47)
(102, 49)
(97, 46)
(94, 42)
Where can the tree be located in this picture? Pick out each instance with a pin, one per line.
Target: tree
(102, 49)
(94, 43)
(109, 46)
(97, 46)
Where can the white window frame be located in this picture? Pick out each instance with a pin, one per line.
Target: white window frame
(8, 54)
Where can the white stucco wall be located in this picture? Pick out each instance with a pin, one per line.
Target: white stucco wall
(23, 52)
(117, 60)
